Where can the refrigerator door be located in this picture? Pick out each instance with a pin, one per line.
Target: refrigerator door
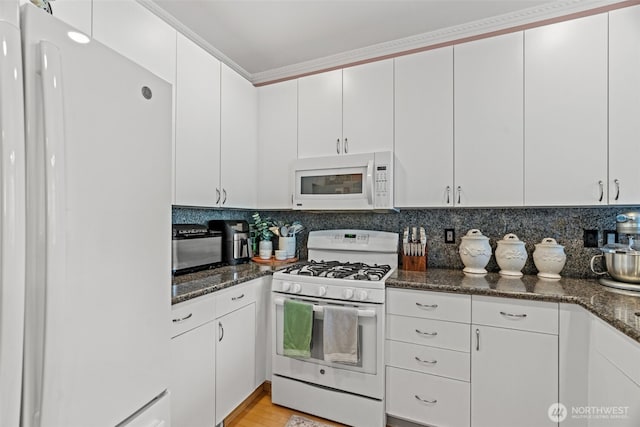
(12, 221)
(99, 223)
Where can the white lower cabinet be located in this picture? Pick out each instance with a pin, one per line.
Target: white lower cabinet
(235, 347)
(514, 371)
(193, 354)
(427, 373)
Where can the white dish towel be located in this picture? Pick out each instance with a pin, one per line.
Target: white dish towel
(340, 334)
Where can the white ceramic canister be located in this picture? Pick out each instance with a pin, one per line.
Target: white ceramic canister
(475, 252)
(549, 258)
(511, 255)
(265, 249)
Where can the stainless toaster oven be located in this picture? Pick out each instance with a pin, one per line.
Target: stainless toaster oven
(195, 247)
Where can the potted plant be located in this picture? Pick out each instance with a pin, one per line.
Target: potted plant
(264, 235)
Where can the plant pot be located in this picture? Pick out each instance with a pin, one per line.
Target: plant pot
(265, 249)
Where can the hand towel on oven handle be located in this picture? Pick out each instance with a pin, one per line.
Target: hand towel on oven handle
(298, 323)
(340, 334)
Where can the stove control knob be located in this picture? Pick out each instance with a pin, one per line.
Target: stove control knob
(361, 295)
(347, 293)
(296, 288)
(286, 286)
(322, 291)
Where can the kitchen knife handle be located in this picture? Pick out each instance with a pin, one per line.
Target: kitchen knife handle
(617, 182)
(601, 185)
(338, 146)
(346, 146)
(217, 196)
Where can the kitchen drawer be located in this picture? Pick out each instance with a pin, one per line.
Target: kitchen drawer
(448, 400)
(619, 349)
(535, 316)
(429, 305)
(191, 314)
(430, 360)
(436, 333)
(235, 297)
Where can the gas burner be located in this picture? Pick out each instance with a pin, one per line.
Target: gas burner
(339, 270)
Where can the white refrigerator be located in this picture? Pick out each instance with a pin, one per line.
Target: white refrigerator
(93, 232)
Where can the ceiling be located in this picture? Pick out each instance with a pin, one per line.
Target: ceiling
(270, 39)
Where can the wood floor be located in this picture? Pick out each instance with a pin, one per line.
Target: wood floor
(262, 413)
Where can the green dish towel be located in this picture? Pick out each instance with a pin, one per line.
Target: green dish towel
(298, 320)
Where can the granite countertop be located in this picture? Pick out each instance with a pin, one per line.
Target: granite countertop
(189, 286)
(620, 309)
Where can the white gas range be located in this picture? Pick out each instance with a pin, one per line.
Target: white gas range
(347, 268)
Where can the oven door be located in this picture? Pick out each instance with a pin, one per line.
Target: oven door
(365, 378)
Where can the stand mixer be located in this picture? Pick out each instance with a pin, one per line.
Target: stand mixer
(622, 259)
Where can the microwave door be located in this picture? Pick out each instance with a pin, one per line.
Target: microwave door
(338, 188)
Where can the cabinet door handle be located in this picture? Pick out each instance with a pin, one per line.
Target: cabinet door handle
(477, 339)
(221, 333)
(217, 196)
(601, 185)
(459, 192)
(346, 146)
(448, 194)
(425, 400)
(431, 362)
(237, 298)
(427, 306)
(338, 146)
(224, 193)
(520, 316)
(431, 334)
(617, 183)
(182, 319)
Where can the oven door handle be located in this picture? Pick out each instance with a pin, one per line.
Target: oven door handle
(319, 309)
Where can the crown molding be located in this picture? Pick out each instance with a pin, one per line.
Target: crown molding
(502, 23)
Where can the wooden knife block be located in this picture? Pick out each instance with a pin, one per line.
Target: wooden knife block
(414, 263)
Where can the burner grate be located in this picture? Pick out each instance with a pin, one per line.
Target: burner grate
(339, 270)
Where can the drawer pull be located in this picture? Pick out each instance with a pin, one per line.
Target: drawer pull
(425, 400)
(431, 334)
(237, 298)
(182, 319)
(519, 316)
(427, 306)
(431, 362)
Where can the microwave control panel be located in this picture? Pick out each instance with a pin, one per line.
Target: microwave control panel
(381, 186)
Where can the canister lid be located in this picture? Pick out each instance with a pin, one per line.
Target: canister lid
(510, 239)
(474, 234)
(548, 242)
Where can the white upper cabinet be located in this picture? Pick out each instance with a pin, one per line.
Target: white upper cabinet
(424, 129)
(197, 152)
(76, 13)
(238, 140)
(488, 78)
(320, 114)
(624, 106)
(129, 28)
(368, 107)
(346, 111)
(566, 113)
(277, 143)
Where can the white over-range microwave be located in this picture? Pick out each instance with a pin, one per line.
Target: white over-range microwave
(347, 182)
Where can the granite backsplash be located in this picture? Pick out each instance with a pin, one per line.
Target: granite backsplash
(566, 225)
